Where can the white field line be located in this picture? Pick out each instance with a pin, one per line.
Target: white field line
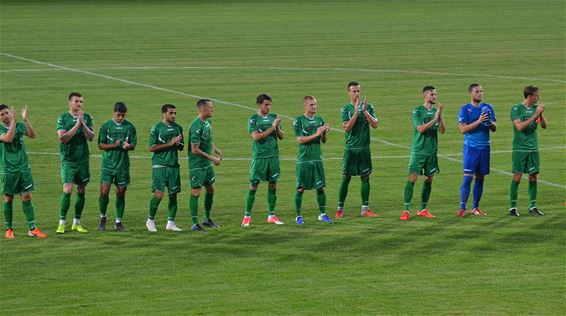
(423, 72)
(233, 104)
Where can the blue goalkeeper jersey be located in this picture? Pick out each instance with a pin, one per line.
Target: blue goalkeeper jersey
(479, 136)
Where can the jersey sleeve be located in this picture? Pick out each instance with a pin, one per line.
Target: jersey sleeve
(462, 117)
(102, 134)
(153, 136)
(22, 127)
(252, 125)
(371, 111)
(492, 117)
(344, 114)
(132, 136)
(61, 123)
(297, 127)
(195, 133)
(515, 113)
(182, 136)
(417, 118)
(89, 121)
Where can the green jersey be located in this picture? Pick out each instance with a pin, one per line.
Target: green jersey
(13, 155)
(76, 149)
(266, 147)
(200, 132)
(305, 126)
(424, 143)
(525, 140)
(358, 136)
(162, 134)
(117, 159)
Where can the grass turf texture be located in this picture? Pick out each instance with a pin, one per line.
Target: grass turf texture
(231, 51)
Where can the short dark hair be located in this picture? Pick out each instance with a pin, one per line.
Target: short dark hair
(262, 97)
(428, 88)
(165, 108)
(529, 90)
(472, 86)
(120, 107)
(74, 94)
(3, 106)
(202, 102)
(352, 84)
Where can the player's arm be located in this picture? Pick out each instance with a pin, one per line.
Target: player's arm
(543, 121)
(174, 142)
(520, 126)
(493, 126)
(9, 136)
(88, 131)
(347, 125)
(326, 129)
(372, 120)
(131, 141)
(321, 131)
(466, 128)
(217, 151)
(257, 135)
(30, 131)
(195, 149)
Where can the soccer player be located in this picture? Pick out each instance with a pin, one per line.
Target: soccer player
(201, 172)
(427, 122)
(117, 137)
(310, 130)
(75, 130)
(526, 117)
(16, 172)
(265, 129)
(476, 119)
(357, 118)
(165, 139)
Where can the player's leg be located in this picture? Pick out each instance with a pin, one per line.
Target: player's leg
(208, 201)
(299, 204)
(534, 169)
(257, 173)
(29, 212)
(425, 196)
(301, 174)
(271, 201)
(272, 172)
(120, 206)
(174, 187)
(408, 194)
(103, 200)
(319, 183)
(365, 169)
(481, 171)
(8, 214)
(469, 162)
(158, 186)
(67, 178)
(519, 160)
(81, 179)
(349, 162)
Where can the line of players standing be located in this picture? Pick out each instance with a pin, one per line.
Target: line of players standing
(118, 136)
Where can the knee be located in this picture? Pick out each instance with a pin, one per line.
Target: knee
(517, 177)
(412, 177)
(26, 197)
(9, 198)
(533, 177)
(300, 190)
(272, 185)
(428, 179)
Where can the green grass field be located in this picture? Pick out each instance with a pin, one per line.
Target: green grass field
(147, 54)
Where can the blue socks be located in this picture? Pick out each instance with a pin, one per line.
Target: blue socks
(465, 191)
(478, 190)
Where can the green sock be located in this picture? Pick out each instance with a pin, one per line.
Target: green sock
(208, 199)
(409, 188)
(298, 202)
(172, 207)
(30, 215)
(532, 194)
(271, 200)
(153, 205)
(103, 204)
(120, 207)
(65, 204)
(193, 206)
(8, 211)
(79, 205)
(250, 199)
(514, 192)
(321, 199)
(425, 194)
(343, 191)
(364, 190)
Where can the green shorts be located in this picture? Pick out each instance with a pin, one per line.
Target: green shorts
(119, 178)
(310, 175)
(357, 162)
(423, 164)
(17, 182)
(75, 173)
(201, 177)
(526, 162)
(166, 177)
(265, 169)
